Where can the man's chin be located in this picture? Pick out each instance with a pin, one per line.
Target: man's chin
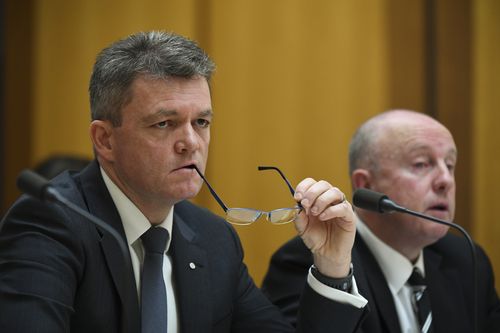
(438, 231)
(187, 193)
(442, 215)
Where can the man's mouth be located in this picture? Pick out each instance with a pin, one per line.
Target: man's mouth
(185, 167)
(439, 208)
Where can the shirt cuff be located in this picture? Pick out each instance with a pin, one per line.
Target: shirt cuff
(353, 298)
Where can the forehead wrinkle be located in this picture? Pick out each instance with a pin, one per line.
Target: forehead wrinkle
(391, 134)
(395, 143)
(405, 141)
(427, 147)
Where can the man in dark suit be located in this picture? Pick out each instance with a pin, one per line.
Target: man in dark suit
(411, 158)
(183, 270)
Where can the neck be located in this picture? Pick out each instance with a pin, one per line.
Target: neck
(154, 212)
(392, 237)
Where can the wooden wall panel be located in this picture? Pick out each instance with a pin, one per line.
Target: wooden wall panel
(486, 135)
(453, 93)
(17, 95)
(294, 80)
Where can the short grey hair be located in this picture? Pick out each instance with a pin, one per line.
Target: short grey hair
(364, 148)
(155, 54)
(361, 152)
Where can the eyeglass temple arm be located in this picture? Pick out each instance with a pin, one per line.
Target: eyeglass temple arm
(217, 198)
(260, 168)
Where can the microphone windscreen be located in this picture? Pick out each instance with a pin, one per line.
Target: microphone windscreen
(32, 183)
(368, 199)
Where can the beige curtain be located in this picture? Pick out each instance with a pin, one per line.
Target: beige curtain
(486, 138)
(294, 80)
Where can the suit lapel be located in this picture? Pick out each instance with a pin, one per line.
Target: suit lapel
(447, 300)
(374, 287)
(101, 205)
(191, 279)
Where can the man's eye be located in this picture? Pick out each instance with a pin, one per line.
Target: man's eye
(420, 165)
(162, 124)
(202, 123)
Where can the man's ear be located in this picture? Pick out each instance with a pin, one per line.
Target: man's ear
(101, 132)
(361, 178)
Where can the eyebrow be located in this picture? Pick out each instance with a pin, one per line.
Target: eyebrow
(206, 113)
(423, 148)
(169, 113)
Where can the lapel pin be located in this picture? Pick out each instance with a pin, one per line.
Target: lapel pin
(192, 265)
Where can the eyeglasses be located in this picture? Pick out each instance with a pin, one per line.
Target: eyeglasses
(246, 216)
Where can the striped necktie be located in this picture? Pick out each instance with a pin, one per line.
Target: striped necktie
(421, 301)
(153, 293)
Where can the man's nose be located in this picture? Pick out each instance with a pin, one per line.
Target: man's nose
(188, 139)
(445, 178)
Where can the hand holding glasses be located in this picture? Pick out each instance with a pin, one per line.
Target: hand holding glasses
(246, 216)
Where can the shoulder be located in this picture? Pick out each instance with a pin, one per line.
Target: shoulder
(456, 251)
(452, 245)
(293, 252)
(44, 232)
(26, 205)
(449, 240)
(30, 213)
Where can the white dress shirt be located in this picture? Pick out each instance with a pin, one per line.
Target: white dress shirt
(135, 224)
(397, 270)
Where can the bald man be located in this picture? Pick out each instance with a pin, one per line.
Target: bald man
(415, 275)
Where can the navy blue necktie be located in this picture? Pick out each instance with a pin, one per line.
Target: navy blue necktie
(153, 293)
(422, 301)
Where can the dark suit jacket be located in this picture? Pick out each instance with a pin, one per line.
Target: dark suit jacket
(60, 273)
(448, 269)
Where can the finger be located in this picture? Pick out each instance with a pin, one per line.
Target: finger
(341, 214)
(332, 196)
(314, 192)
(303, 186)
(300, 223)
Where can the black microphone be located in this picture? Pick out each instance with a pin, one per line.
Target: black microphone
(374, 201)
(33, 184)
(380, 203)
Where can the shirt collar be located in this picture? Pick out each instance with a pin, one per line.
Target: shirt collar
(395, 267)
(133, 220)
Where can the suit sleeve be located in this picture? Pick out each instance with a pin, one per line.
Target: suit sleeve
(285, 284)
(40, 264)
